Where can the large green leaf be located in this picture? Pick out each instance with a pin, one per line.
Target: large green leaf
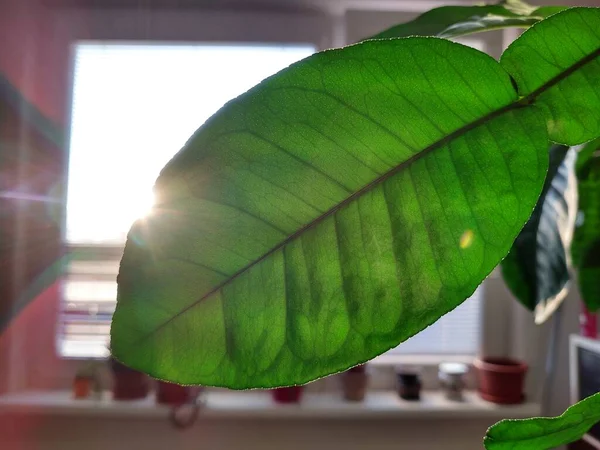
(565, 48)
(454, 21)
(542, 433)
(333, 211)
(537, 268)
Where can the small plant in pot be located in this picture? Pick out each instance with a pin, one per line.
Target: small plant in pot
(354, 383)
(84, 380)
(87, 380)
(408, 383)
(128, 384)
(174, 394)
(287, 395)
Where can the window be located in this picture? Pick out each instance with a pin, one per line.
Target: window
(456, 333)
(134, 106)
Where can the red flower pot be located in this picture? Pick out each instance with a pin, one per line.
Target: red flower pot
(172, 394)
(501, 380)
(128, 384)
(82, 386)
(291, 394)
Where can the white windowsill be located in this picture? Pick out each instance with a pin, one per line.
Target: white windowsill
(259, 405)
(391, 359)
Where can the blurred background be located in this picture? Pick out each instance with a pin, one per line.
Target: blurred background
(95, 97)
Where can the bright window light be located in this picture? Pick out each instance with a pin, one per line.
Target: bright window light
(134, 107)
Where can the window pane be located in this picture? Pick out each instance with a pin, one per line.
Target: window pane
(458, 332)
(134, 107)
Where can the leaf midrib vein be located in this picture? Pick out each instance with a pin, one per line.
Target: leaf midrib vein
(520, 103)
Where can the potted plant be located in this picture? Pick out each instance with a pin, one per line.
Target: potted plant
(287, 395)
(408, 382)
(354, 383)
(128, 384)
(451, 376)
(172, 393)
(82, 382)
(87, 380)
(501, 380)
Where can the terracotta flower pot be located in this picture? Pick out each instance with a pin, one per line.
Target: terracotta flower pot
(82, 386)
(128, 384)
(501, 380)
(172, 394)
(354, 384)
(291, 394)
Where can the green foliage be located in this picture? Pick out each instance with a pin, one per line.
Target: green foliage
(454, 21)
(537, 268)
(563, 48)
(543, 433)
(586, 245)
(344, 204)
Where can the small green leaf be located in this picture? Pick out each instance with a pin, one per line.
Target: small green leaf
(550, 51)
(537, 268)
(545, 433)
(489, 22)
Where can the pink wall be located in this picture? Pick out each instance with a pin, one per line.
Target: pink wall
(35, 60)
(32, 58)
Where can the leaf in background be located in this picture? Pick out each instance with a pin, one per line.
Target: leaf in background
(454, 21)
(543, 433)
(586, 243)
(549, 51)
(589, 276)
(537, 268)
(489, 22)
(587, 230)
(333, 211)
(585, 154)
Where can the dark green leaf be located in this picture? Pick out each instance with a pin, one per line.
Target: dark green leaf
(588, 223)
(454, 21)
(550, 51)
(537, 268)
(489, 22)
(585, 154)
(543, 433)
(586, 243)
